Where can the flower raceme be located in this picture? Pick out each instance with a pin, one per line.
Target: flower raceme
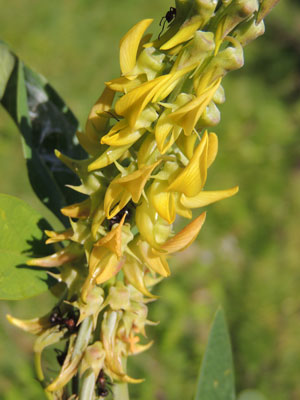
(150, 150)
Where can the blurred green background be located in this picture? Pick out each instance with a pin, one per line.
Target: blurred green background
(247, 255)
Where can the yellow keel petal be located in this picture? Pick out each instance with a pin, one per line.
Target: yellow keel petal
(207, 197)
(185, 237)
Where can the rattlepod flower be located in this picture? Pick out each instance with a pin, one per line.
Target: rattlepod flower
(150, 144)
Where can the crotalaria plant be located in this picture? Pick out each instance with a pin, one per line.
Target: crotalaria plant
(150, 144)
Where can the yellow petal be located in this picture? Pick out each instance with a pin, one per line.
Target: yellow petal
(98, 218)
(192, 178)
(165, 132)
(154, 229)
(207, 197)
(188, 115)
(185, 33)
(112, 240)
(167, 87)
(121, 134)
(103, 265)
(55, 237)
(78, 210)
(185, 237)
(139, 348)
(212, 148)
(108, 157)
(132, 104)
(124, 84)
(129, 45)
(162, 201)
(180, 209)
(155, 262)
(35, 325)
(148, 151)
(66, 255)
(96, 124)
(134, 274)
(135, 182)
(109, 270)
(187, 144)
(116, 198)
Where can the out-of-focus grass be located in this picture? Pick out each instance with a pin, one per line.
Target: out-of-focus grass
(246, 256)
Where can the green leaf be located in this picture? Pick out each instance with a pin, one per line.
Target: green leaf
(21, 236)
(46, 124)
(216, 379)
(7, 62)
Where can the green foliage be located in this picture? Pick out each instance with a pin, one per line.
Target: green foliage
(46, 124)
(21, 235)
(216, 380)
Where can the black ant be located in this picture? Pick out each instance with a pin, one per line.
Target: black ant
(117, 218)
(69, 322)
(102, 384)
(170, 15)
(60, 356)
(128, 210)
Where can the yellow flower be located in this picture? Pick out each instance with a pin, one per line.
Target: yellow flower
(129, 46)
(149, 155)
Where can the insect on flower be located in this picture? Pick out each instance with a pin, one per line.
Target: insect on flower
(170, 15)
(69, 321)
(128, 210)
(60, 356)
(103, 384)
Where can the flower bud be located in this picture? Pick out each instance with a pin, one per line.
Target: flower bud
(248, 31)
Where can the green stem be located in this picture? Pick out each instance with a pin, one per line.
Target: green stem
(40, 374)
(121, 391)
(38, 366)
(88, 385)
(83, 337)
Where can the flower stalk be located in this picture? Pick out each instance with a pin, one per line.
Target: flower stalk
(150, 147)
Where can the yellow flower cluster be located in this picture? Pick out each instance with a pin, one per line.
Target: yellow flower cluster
(149, 156)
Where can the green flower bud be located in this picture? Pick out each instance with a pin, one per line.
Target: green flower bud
(248, 31)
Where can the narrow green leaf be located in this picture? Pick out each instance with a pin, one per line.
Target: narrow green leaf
(46, 124)
(21, 236)
(7, 62)
(216, 379)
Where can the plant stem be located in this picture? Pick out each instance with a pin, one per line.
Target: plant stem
(83, 337)
(121, 391)
(38, 366)
(88, 385)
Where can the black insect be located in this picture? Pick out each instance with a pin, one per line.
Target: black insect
(56, 317)
(129, 209)
(117, 218)
(168, 18)
(68, 321)
(103, 384)
(60, 356)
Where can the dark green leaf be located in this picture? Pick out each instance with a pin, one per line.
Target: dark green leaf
(216, 380)
(21, 236)
(46, 124)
